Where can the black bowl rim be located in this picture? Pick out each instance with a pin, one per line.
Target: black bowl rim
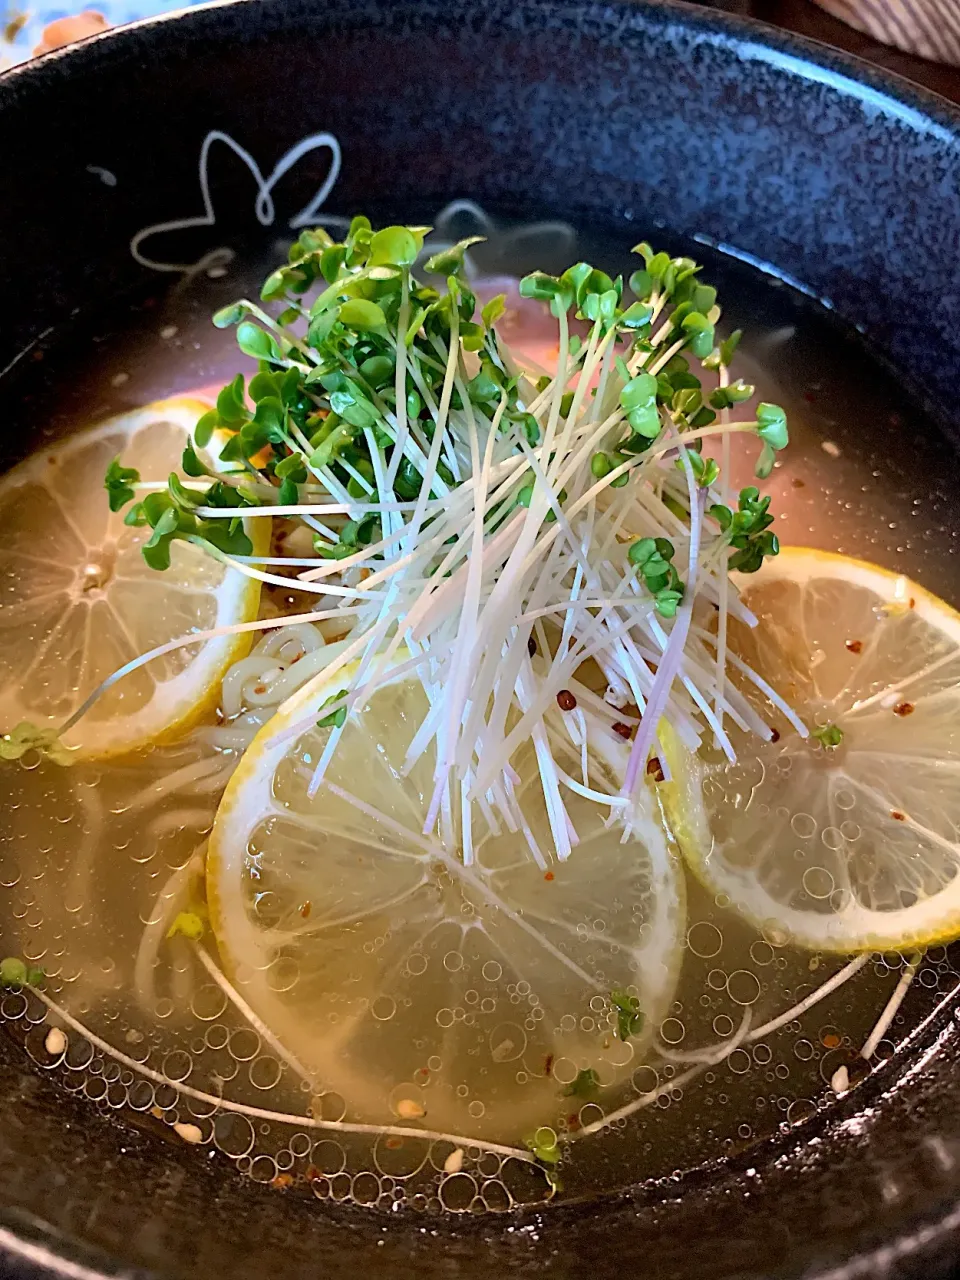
(756, 39)
(26, 1251)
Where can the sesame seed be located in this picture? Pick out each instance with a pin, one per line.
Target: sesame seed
(55, 1042)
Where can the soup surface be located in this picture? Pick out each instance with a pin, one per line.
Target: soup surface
(311, 975)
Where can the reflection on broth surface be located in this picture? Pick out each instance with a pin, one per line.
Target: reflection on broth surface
(236, 901)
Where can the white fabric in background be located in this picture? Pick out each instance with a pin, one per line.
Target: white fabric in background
(929, 28)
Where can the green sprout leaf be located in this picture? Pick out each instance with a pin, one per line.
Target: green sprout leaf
(13, 973)
(183, 498)
(16, 973)
(829, 735)
(748, 530)
(637, 315)
(227, 316)
(378, 370)
(541, 286)
(117, 482)
(736, 393)
(641, 285)
(360, 314)
(394, 247)
(638, 399)
(546, 1151)
(543, 1144)
(494, 309)
(231, 406)
(26, 737)
(600, 465)
(449, 262)
(190, 463)
(227, 536)
(585, 1085)
(765, 462)
(705, 470)
(203, 431)
(254, 341)
(630, 1017)
(288, 494)
(652, 557)
(772, 426)
(699, 332)
(335, 719)
(729, 346)
(135, 519)
(187, 924)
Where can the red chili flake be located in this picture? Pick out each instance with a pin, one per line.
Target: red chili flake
(312, 1174)
(830, 1041)
(622, 729)
(548, 875)
(774, 735)
(904, 709)
(260, 688)
(394, 1144)
(565, 700)
(548, 1064)
(305, 909)
(913, 603)
(897, 815)
(655, 769)
(573, 1122)
(38, 355)
(281, 1181)
(531, 646)
(809, 397)
(798, 483)
(854, 646)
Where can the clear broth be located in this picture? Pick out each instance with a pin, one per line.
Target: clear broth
(81, 873)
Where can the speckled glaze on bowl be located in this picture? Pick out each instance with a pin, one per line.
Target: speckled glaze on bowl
(840, 180)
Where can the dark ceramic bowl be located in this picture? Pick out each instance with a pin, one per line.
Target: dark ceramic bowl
(843, 181)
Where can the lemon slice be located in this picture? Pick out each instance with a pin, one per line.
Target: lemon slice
(406, 985)
(852, 847)
(79, 601)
